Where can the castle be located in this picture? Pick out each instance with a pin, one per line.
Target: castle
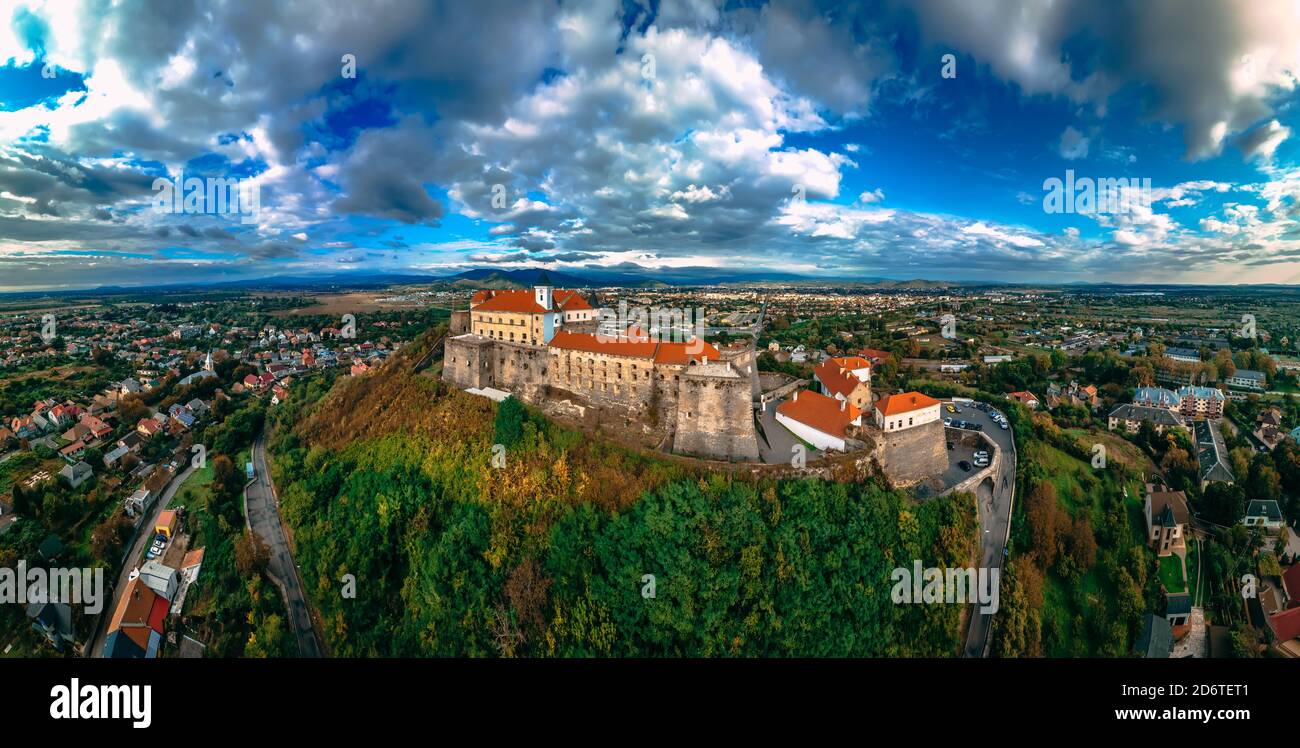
(541, 345)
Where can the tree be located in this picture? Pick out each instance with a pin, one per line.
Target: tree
(251, 554)
(1043, 512)
(508, 426)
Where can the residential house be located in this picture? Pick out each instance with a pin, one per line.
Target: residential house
(1167, 519)
(1248, 379)
(136, 627)
(1156, 639)
(1211, 454)
(53, 621)
(1263, 513)
(76, 474)
(161, 579)
(1129, 418)
(1178, 608)
(1025, 398)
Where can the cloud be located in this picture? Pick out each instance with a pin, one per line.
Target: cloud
(1073, 144)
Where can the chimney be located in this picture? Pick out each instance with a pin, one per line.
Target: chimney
(842, 404)
(796, 396)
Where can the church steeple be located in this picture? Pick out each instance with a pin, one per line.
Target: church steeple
(542, 291)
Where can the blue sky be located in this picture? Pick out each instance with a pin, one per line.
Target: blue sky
(685, 140)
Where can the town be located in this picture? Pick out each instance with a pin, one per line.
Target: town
(133, 437)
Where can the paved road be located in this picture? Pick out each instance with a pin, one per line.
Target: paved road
(780, 442)
(133, 558)
(995, 518)
(264, 517)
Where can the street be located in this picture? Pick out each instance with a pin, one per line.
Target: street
(995, 518)
(143, 538)
(264, 518)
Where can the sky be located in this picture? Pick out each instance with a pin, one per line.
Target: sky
(687, 140)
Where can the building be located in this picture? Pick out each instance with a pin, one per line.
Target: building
(136, 628)
(1211, 454)
(166, 524)
(1156, 639)
(161, 579)
(1200, 402)
(1129, 418)
(1178, 608)
(846, 378)
(1025, 398)
(1156, 397)
(905, 410)
(1248, 379)
(820, 420)
(1167, 518)
(76, 474)
(530, 317)
(1265, 514)
(701, 396)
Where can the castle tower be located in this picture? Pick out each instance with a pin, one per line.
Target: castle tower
(543, 291)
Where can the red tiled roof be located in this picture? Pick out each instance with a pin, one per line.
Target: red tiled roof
(570, 300)
(875, 354)
(904, 402)
(837, 375)
(1023, 397)
(135, 608)
(634, 344)
(1291, 583)
(819, 412)
(158, 614)
(521, 302)
(1286, 625)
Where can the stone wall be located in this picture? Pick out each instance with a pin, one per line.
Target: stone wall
(915, 454)
(715, 414)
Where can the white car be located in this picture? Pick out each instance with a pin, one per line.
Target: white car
(981, 453)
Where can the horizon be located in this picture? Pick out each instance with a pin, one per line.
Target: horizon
(679, 141)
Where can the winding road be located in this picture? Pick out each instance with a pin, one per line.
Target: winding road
(994, 506)
(264, 518)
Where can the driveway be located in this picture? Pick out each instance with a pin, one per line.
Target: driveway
(264, 518)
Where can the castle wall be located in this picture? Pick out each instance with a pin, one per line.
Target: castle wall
(467, 362)
(715, 416)
(914, 454)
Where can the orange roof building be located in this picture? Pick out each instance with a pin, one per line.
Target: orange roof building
(905, 410)
(846, 378)
(819, 420)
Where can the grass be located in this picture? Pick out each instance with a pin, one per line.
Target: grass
(1171, 574)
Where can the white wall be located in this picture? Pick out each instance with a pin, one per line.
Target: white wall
(818, 439)
(907, 420)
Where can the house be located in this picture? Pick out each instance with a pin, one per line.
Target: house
(278, 395)
(132, 441)
(129, 387)
(115, 455)
(1263, 513)
(1129, 418)
(73, 451)
(136, 627)
(98, 429)
(161, 579)
(76, 474)
(1285, 627)
(148, 428)
(1072, 394)
(877, 357)
(166, 524)
(1167, 518)
(138, 502)
(1247, 379)
(905, 410)
(1025, 398)
(359, 368)
(52, 621)
(1156, 639)
(1178, 608)
(846, 378)
(820, 420)
(50, 548)
(190, 648)
(1211, 454)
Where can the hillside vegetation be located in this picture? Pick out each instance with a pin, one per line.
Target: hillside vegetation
(389, 478)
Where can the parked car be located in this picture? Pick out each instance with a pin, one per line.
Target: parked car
(964, 465)
(949, 408)
(950, 447)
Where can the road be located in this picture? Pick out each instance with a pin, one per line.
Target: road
(264, 518)
(995, 519)
(144, 537)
